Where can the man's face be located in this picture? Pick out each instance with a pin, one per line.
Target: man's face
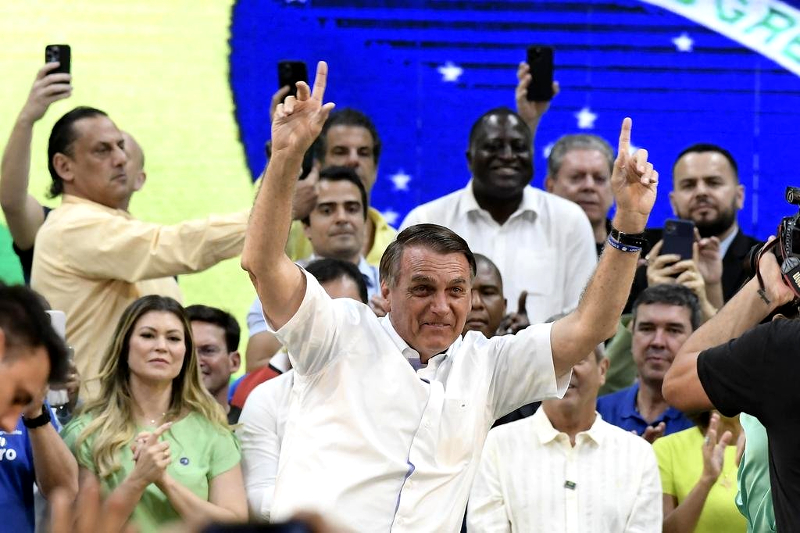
(584, 178)
(216, 363)
(23, 376)
(658, 333)
(354, 147)
(430, 300)
(488, 304)
(97, 169)
(336, 225)
(706, 192)
(500, 157)
(587, 378)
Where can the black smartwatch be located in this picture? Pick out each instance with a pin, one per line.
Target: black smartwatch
(39, 421)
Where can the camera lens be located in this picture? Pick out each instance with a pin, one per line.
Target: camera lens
(670, 227)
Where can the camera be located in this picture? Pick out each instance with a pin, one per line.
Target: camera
(786, 248)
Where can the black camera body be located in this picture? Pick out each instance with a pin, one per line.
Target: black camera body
(786, 248)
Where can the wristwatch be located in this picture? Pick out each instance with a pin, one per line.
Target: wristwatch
(39, 421)
(629, 239)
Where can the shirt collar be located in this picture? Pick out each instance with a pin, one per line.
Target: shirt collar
(368, 271)
(547, 433)
(726, 243)
(628, 408)
(410, 353)
(69, 199)
(377, 219)
(468, 204)
(280, 361)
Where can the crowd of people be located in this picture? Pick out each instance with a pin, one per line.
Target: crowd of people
(513, 359)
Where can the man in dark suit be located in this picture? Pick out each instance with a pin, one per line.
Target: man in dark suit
(707, 191)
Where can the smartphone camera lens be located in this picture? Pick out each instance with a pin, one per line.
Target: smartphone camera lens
(669, 228)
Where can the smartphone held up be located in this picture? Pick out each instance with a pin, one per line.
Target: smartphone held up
(289, 73)
(540, 61)
(61, 54)
(678, 238)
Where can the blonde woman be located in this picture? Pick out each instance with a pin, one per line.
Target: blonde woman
(154, 437)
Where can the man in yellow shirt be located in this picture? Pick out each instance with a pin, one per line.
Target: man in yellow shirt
(92, 258)
(349, 139)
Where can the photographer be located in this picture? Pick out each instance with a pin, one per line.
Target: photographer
(737, 366)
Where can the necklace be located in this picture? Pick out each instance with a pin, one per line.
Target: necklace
(154, 420)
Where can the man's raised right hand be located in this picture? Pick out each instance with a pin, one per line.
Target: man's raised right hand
(298, 121)
(47, 88)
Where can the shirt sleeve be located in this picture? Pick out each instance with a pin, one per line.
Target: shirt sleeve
(70, 434)
(663, 450)
(647, 511)
(105, 246)
(261, 447)
(523, 370)
(311, 335)
(486, 510)
(225, 452)
(740, 375)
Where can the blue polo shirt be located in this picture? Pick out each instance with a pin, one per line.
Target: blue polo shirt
(619, 409)
(17, 479)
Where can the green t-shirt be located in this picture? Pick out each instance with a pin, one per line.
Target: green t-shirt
(200, 451)
(755, 492)
(680, 461)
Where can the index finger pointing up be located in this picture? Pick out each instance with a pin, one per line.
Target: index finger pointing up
(320, 81)
(153, 438)
(625, 137)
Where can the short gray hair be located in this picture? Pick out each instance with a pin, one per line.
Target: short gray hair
(580, 141)
(432, 236)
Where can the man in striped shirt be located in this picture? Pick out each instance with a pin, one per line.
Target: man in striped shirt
(565, 469)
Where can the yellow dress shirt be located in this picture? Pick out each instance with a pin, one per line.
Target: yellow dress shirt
(92, 261)
(299, 247)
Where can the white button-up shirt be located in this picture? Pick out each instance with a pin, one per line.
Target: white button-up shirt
(531, 478)
(378, 446)
(546, 247)
(262, 425)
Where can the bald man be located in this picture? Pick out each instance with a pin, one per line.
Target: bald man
(24, 214)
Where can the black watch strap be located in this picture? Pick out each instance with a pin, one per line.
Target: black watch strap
(628, 239)
(39, 421)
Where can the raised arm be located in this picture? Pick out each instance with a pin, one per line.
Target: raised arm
(682, 387)
(278, 282)
(24, 214)
(53, 463)
(634, 182)
(531, 112)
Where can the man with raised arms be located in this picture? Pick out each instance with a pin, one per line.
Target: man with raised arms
(389, 414)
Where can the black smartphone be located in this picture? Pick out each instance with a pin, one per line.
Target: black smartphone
(678, 238)
(540, 59)
(289, 73)
(60, 53)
